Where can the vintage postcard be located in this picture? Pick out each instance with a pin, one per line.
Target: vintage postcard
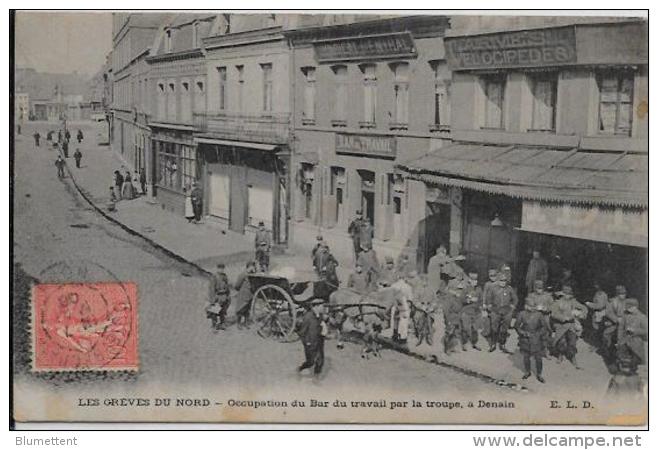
(400, 218)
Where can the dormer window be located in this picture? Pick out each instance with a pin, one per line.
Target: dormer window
(196, 41)
(167, 42)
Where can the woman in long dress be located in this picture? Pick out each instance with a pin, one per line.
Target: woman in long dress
(189, 211)
(128, 190)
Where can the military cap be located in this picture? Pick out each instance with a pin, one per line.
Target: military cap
(621, 289)
(632, 302)
(388, 259)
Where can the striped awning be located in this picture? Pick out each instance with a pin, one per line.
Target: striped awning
(539, 173)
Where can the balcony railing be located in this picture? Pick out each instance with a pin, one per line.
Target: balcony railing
(270, 128)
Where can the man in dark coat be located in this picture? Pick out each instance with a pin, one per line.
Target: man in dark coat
(354, 230)
(533, 330)
(118, 183)
(59, 163)
(67, 135)
(452, 310)
(78, 156)
(613, 314)
(80, 136)
(65, 148)
(197, 201)
(566, 313)
(219, 299)
(325, 265)
(471, 312)
(263, 246)
(244, 295)
(37, 137)
(313, 331)
(631, 334)
(142, 180)
(500, 305)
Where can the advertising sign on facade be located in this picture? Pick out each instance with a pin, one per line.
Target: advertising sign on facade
(383, 146)
(365, 47)
(528, 48)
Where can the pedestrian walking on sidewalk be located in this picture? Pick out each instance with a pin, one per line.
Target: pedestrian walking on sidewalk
(65, 148)
(59, 163)
(189, 209)
(313, 331)
(80, 136)
(142, 180)
(197, 201)
(37, 137)
(533, 331)
(354, 230)
(219, 299)
(127, 190)
(118, 183)
(78, 156)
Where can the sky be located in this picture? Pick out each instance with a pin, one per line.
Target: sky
(63, 42)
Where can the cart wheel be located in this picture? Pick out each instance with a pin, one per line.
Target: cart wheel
(274, 313)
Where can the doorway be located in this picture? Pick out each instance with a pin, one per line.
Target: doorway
(368, 195)
(434, 231)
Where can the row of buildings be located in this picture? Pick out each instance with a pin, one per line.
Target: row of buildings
(492, 137)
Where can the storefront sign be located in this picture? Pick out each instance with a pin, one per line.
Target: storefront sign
(611, 225)
(365, 47)
(383, 146)
(528, 48)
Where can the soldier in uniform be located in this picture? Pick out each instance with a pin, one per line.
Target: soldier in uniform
(541, 301)
(435, 268)
(358, 280)
(452, 309)
(486, 295)
(313, 331)
(613, 314)
(598, 307)
(319, 242)
(533, 331)
(401, 310)
(471, 312)
(389, 272)
(219, 299)
(500, 303)
(354, 230)
(566, 311)
(368, 260)
(263, 245)
(244, 295)
(632, 332)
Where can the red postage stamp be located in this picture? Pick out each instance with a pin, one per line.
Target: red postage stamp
(87, 326)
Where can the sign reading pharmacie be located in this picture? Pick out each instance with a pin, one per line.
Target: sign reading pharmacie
(377, 46)
(368, 145)
(527, 48)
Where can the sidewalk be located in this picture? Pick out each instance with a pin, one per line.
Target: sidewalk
(206, 244)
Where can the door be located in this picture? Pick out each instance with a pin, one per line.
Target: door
(368, 205)
(220, 195)
(434, 230)
(261, 207)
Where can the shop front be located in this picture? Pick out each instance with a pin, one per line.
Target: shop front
(246, 183)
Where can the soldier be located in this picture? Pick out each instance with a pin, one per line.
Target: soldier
(598, 307)
(219, 299)
(358, 280)
(389, 272)
(244, 295)
(500, 303)
(533, 331)
(541, 301)
(401, 311)
(368, 260)
(566, 312)
(77, 155)
(319, 242)
(471, 312)
(354, 230)
(59, 163)
(263, 245)
(613, 313)
(452, 309)
(37, 138)
(435, 268)
(422, 315)
(632, 332)
(313, 331)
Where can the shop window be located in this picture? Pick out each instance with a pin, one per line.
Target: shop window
(168, 170)
(544, 102)
(401, 95)
(340, 106)
(494, 101)
(240, 75)
(267, 87)
(615, 102)
(369, 96)
(441, 98)
(188, 166)
(308, 114)
(221, 72)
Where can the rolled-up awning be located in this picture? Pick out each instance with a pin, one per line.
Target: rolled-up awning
(253, 145)
(538, 173)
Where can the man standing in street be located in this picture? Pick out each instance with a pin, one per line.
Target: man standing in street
(67, 135)
(80, 136)
(501, 303)
(219, 299)
(78, 156)
(471, 312)
(142, 180)
(435, 268)
(613, 314)
(59, 163)
(566, 311)
(65, 148)
(313, 331)
(118, 183)
(368, 260)
(244, 295)
(537, 270)
(598, 307)
(37, 137)
(263, 245)
(533, 332)
(632, 332)
(452, 310)
(197, 201)
(401, 310)
(354, 231)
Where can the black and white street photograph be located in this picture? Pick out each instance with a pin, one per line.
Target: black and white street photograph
(372, 217)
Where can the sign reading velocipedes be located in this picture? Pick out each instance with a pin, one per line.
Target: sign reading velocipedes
(528, 48)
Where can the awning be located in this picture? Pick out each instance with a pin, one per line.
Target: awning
(538, 173)
(172, 126)
(254, 145)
